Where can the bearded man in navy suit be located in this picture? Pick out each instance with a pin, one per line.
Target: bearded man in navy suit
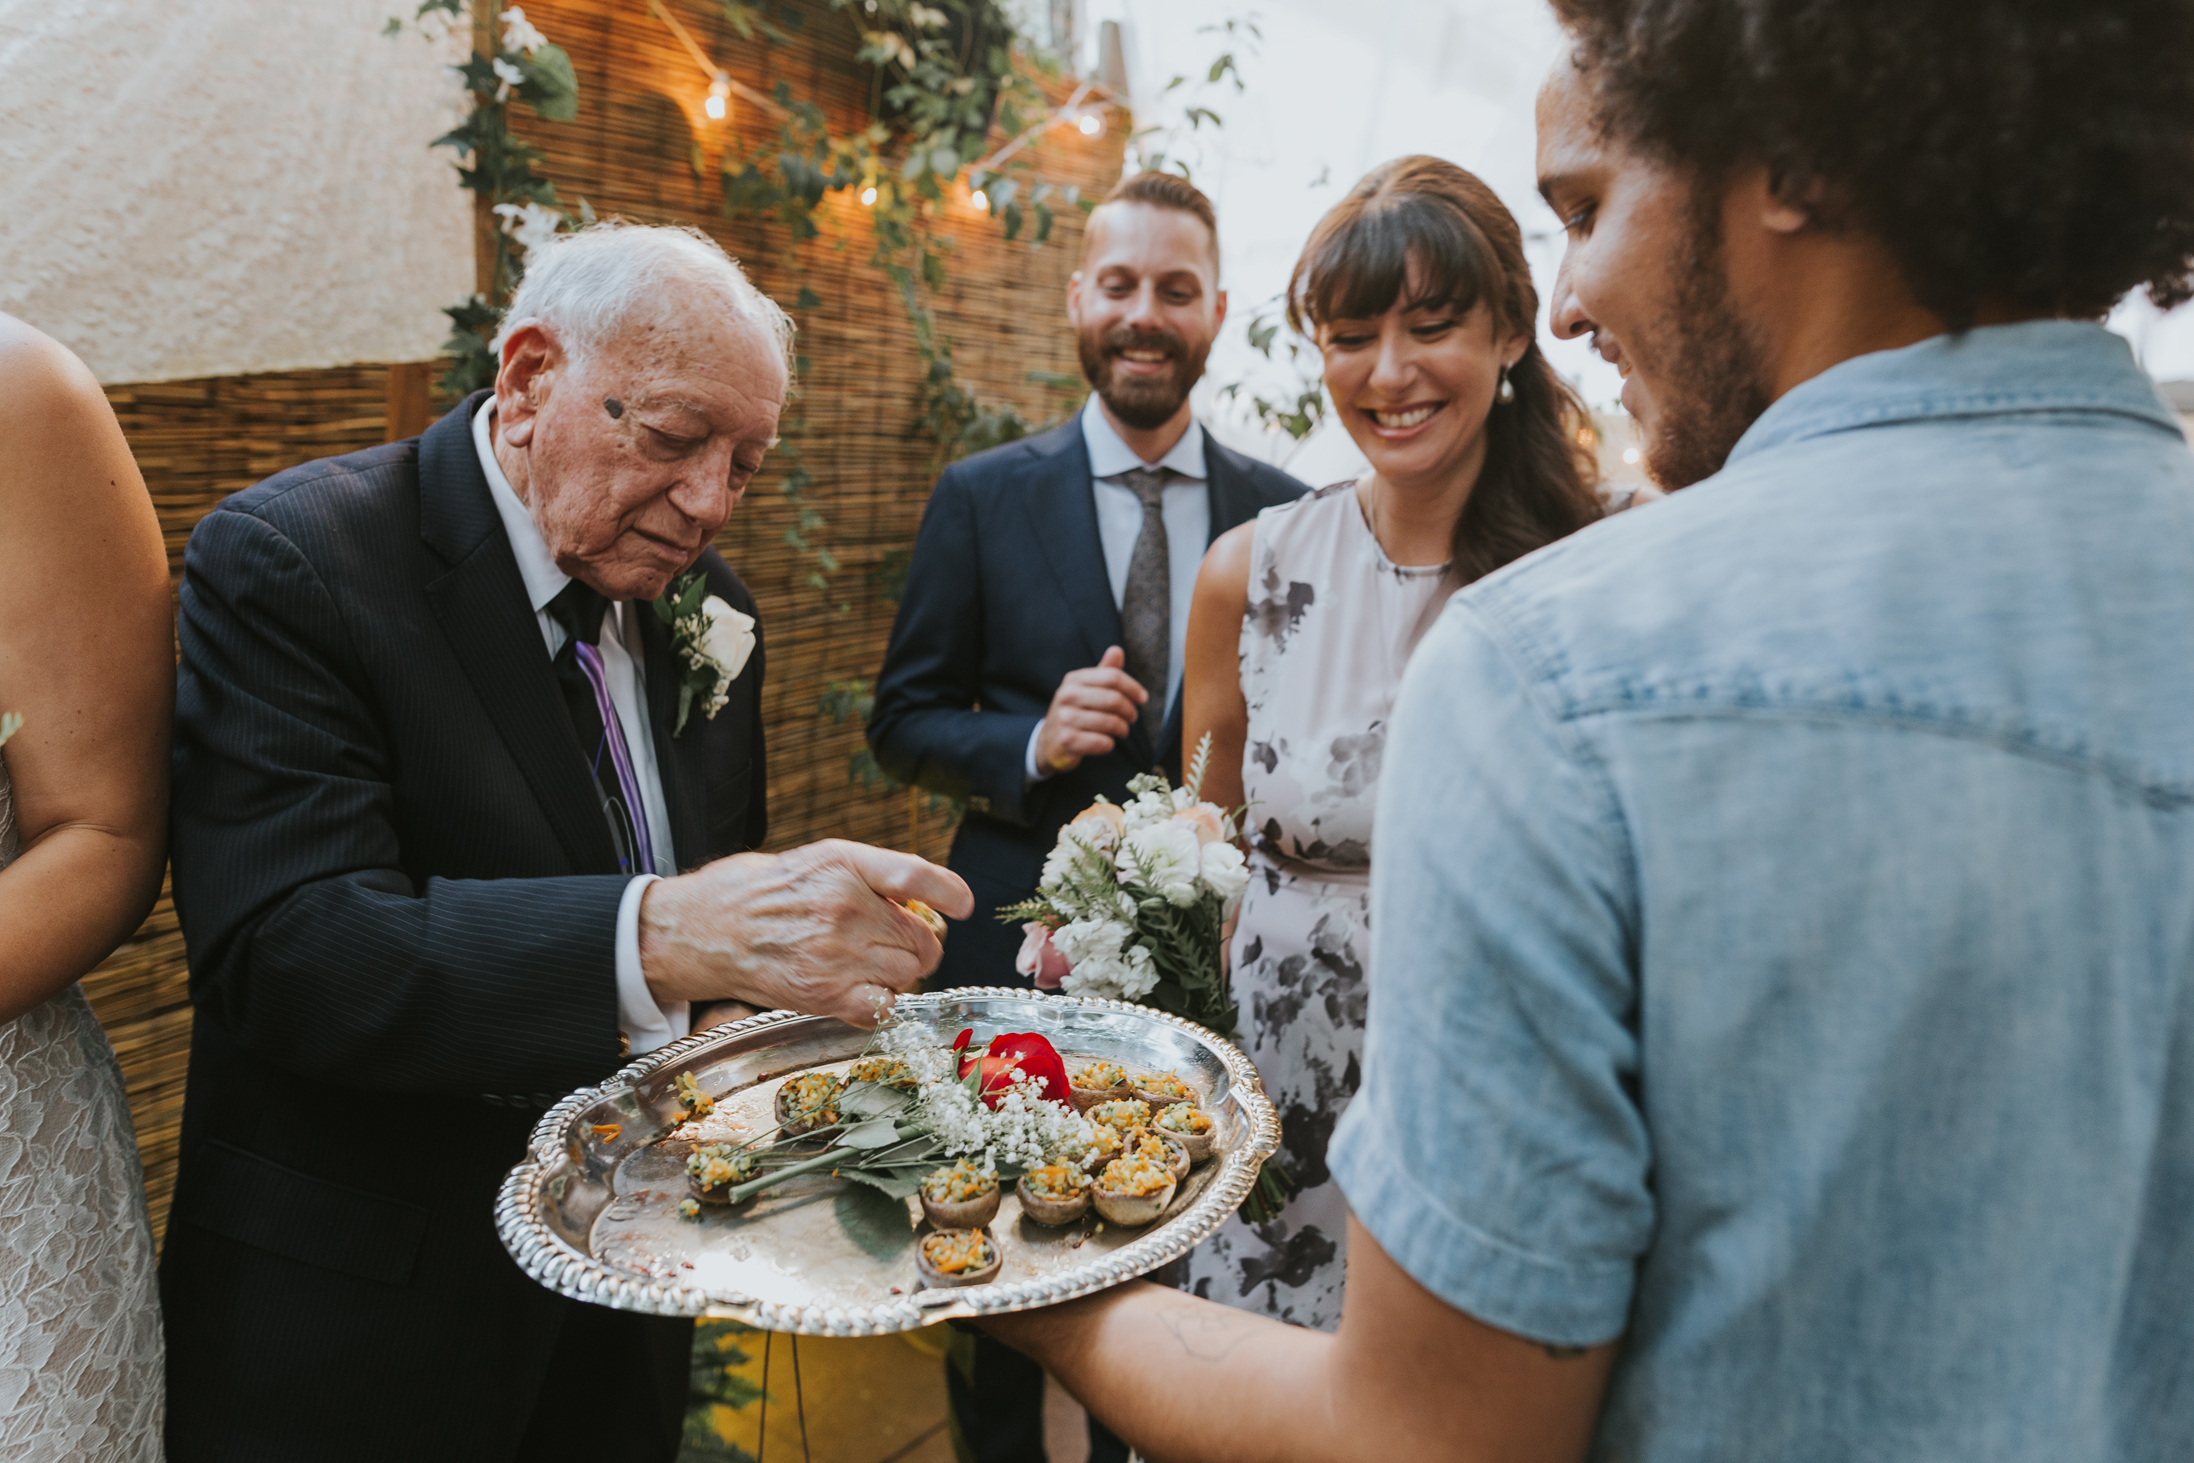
(1036, 658)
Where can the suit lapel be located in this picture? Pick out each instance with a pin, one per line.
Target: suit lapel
(679, 760)
(1062, 508)
(484, 613)
(1233, 501)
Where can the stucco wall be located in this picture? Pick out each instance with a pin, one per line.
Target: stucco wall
(210, 187)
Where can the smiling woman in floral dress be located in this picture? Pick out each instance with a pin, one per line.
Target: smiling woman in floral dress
(1417, 292)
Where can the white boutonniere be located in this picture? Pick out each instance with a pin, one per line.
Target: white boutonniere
(711, 641)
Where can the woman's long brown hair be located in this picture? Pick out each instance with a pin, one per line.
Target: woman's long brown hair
(1424, 226)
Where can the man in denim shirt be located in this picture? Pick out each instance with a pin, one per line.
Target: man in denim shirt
(1781, 1040)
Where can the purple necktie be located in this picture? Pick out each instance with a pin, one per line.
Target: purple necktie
(620, 756)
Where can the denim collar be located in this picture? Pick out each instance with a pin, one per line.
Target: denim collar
(1995, 370)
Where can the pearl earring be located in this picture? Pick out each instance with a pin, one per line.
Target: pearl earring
(1506, 392)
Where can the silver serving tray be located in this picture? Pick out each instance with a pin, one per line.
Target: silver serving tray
(593, 1211)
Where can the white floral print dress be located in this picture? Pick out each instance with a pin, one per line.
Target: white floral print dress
(1330, 624)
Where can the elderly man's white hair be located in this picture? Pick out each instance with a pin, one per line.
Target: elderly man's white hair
(589, 285)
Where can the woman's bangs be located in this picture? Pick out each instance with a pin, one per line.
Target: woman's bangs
(1408, 245)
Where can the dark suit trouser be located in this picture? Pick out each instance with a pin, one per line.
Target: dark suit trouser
(650, 1355)
(244, 1329)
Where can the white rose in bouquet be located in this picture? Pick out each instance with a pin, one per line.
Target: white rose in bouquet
(1142, 974)
(1154, 805)
(1095, 829)
(1104, 979)
(1098, 826)
(1086, 941)
(1164, 858)
(1227, 873)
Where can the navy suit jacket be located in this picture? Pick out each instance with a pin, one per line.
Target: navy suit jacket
(399, 898)
(1007, 593)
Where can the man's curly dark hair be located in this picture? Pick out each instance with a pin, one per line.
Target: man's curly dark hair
(2034, 153)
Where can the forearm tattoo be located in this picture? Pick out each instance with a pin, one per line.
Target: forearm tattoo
(1206, 1332)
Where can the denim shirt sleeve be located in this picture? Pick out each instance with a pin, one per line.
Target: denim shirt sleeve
(1496, 1150)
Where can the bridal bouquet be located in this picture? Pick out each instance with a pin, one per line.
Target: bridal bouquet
(1134, 901)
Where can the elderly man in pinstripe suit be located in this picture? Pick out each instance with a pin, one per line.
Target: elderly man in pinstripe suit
(449, 838)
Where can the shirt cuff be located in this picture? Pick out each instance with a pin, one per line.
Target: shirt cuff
(1030, 774)
(646, 1024)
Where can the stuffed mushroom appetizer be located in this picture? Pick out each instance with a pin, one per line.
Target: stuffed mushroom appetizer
(951, 1257)
(1054, 1193)
(713, 1168)
(960, 1197)
(807, 1102)
(1191, 1127)
(1163, 1089)
(1095, 1082)
(1133, 1190)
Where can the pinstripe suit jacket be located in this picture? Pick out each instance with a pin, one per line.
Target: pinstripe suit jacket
(398, 894)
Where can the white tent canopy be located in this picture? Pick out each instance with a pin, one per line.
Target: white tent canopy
(209, 187)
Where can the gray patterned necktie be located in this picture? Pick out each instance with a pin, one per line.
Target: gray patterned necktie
(1146, 608)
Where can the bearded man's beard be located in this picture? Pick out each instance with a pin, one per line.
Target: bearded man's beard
(1715, 384)
(1141, 402)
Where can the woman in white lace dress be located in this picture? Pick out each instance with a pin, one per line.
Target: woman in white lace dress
(1417, 293)
(87, 664)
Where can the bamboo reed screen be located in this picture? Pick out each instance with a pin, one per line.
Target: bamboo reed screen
(643, 146)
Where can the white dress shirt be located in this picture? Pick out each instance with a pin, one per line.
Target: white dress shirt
(1186, 509)
(646, 1023)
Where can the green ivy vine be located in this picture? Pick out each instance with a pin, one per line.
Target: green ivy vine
(499, 168)
(945, 77)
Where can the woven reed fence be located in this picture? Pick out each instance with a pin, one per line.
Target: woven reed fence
(642, 146)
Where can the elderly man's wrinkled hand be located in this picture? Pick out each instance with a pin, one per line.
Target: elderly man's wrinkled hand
(814, 930)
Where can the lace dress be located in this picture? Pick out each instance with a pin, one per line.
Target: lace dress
(1330, 626)
(80, 1354)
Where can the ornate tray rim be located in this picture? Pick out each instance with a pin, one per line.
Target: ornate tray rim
(545, 1257)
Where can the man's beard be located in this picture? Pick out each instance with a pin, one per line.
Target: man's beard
(1141, 402)
(1716, 384)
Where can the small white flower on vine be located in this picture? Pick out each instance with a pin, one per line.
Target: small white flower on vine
(508, 74)
(519, 33)
(530, 224)
(887, 45)
(925, 17)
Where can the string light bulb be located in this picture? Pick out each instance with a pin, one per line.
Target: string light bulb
(868, 197)
(719, 96)
(1092, 124)
(980, 199)
(1630, 455)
